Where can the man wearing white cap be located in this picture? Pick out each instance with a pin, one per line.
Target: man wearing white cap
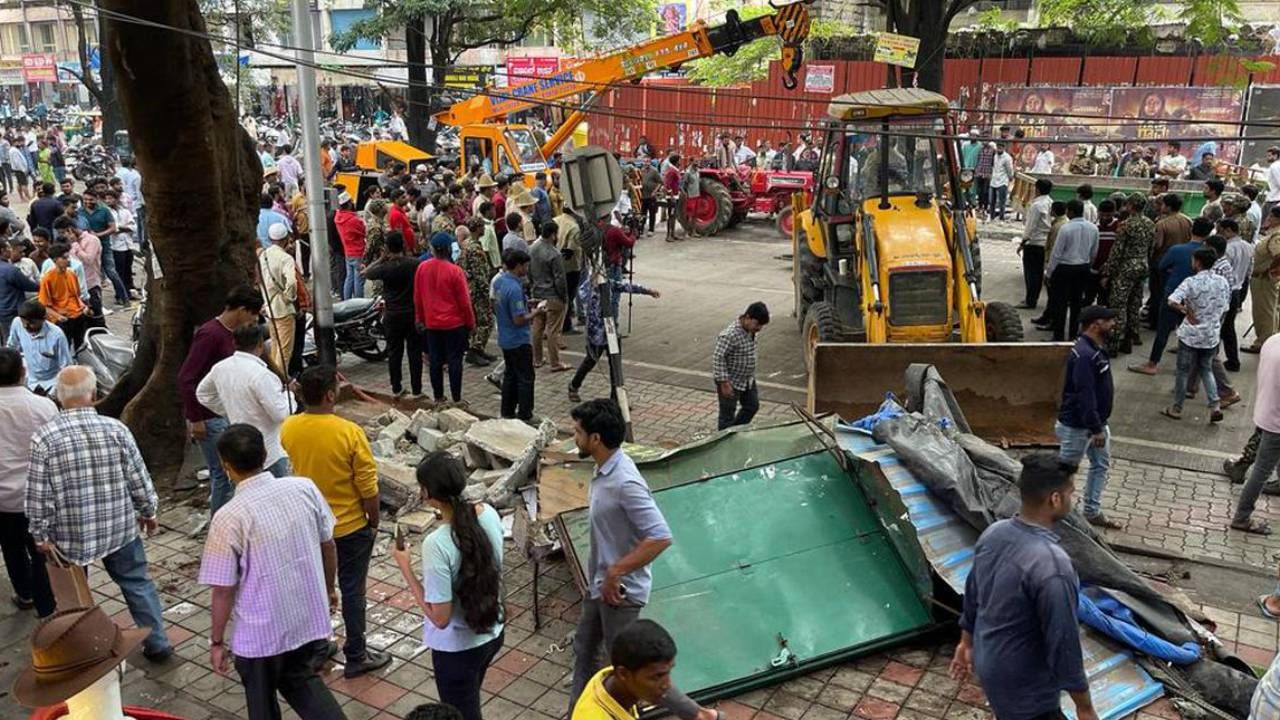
(280, 290)
(351, 230)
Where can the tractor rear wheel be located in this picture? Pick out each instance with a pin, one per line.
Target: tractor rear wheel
(820, 325)
(786, 221)
(709, 211)
(1003, 323)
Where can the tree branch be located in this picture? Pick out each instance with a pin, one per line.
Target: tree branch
(86, 79)
(519, 34)
(954, 9)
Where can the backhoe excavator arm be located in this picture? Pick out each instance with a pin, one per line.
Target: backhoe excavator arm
(790, 23)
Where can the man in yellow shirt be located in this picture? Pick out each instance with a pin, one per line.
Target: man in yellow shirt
(642, 658)
(335, 454)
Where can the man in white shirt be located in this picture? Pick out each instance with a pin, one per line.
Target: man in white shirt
(1240, 254)
(21, 412)
(1273, 179)
(244, 389)
(399, 131)
(745, 155)
(131, 179)
(1085, 194)
(1035, 234)
(1172, 164)
(1044, 161)
(1001, 176)
(290, 170)
(21, 169)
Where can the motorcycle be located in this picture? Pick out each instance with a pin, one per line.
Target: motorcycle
(96, 162)
(357, 328)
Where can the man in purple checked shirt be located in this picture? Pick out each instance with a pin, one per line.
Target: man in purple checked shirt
(270, 558)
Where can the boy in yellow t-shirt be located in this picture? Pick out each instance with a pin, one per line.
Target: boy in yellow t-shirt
(642, 658)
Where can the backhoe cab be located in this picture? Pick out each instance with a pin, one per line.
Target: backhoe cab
(888, 256)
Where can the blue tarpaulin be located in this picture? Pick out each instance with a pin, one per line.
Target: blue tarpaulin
(1109, 617)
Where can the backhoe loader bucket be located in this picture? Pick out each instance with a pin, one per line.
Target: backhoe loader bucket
(1009, 392)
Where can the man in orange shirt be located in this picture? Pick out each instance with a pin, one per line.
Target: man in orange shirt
(60, 294)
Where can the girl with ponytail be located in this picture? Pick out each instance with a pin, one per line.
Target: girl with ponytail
(461, 590)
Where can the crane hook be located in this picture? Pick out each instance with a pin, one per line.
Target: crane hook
(789, 81)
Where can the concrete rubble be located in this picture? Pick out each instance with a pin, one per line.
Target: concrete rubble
(500, 455)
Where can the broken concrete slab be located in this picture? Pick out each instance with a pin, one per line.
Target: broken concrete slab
(423, 419)
(390, 416)
(429, 439)
(456, 419)
(383, 448)
(397, 482)
(488, 477)
(418, 521)
(506, 438)
(475, 457)
(396, 429)
(521, 472)
(474, 493)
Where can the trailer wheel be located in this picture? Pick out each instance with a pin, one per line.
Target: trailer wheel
(820, 325)
(1003, 323)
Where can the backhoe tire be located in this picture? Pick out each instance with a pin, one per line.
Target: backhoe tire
(820, 325)
(718, 194)
(1003, 323)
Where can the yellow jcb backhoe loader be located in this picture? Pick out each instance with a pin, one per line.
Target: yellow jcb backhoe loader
(887, 272)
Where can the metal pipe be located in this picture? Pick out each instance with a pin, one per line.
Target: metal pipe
(322, 293)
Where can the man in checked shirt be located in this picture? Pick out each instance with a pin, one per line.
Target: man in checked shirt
(89, 493)
(733, 365)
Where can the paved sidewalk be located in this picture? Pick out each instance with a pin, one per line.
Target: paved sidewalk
(529, 679)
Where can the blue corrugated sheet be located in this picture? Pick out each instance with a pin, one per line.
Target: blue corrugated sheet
(1119, 687)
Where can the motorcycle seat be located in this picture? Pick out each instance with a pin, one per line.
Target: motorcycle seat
(347, 310)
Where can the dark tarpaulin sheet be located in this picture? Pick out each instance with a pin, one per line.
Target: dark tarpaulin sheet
(978, 481)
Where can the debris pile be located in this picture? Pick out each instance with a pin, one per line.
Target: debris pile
(500, 455)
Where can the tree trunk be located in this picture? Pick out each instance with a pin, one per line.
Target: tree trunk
(926, 20)
(418, 113)
(201, 225)
(108, 103)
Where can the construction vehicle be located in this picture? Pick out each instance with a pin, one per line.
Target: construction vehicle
(371, 159)
(485, 139)
(887, 272)
(727, 195)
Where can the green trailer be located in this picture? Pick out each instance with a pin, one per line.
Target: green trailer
(1064, 189)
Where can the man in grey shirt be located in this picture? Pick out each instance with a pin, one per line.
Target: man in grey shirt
(1073, 254)
(628, 533)
(547, 283)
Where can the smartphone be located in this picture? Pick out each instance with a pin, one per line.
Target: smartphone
(398, 535)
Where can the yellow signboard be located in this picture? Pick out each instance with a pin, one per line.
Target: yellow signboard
(896, 49)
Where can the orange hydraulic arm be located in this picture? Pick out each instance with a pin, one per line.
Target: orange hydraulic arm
(789, 22)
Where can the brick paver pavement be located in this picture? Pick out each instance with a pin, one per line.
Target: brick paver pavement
(529, 679)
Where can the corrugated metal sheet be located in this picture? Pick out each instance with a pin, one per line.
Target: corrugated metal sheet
(1118, 686)
(1109, 70)
(1219, 70)
(1164, 70)
(1055, 70)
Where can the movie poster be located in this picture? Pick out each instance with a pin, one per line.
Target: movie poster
(1264, 107)
(671, 18)
(1053, 112)
(1196, 115)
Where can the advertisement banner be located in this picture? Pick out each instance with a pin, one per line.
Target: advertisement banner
(523, 69)
(1053, 112)
(1185, 112)
(39, 67)
(672, 17)
(468, 76)
(896, 49)
(819, 78)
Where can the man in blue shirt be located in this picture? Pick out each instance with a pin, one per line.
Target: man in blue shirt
(514, 319)
(628, 532)
(1087, 396)
(1020, 632)
(1175, 266)
(14, 287)
(541, 208)
(268, 217)
(43, 346)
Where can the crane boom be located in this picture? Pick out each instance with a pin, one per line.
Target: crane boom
(789, 22)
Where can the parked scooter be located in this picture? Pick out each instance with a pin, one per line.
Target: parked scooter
(357, 328)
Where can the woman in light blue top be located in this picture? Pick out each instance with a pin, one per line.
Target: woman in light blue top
(461, 591)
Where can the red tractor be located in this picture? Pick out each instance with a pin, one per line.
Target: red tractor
(725, 197)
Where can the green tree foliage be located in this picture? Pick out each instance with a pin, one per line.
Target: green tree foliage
(751, 62)
(1117, 22)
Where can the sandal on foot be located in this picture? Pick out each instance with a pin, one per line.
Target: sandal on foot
(1172, 412)
(1253, 527)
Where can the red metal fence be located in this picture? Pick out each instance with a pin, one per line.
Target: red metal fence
(677, 116)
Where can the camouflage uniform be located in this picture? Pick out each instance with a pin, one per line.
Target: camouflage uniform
(1137, 168)
(1126, 270)
(1238, 470)
(1082, 165)
(476, 266)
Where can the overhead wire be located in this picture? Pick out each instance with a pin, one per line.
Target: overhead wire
(681, 117)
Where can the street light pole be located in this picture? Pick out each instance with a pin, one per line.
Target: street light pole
(308, 109)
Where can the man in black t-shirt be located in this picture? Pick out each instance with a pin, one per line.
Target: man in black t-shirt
(396, 271)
